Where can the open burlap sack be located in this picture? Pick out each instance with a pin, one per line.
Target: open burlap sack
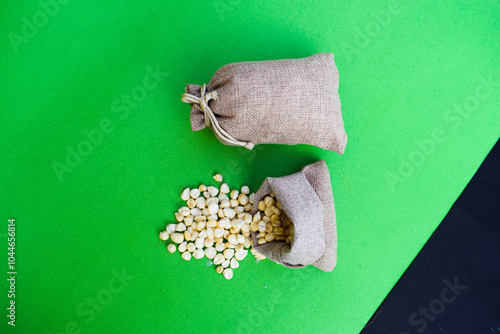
(307, 199)
(287, 101)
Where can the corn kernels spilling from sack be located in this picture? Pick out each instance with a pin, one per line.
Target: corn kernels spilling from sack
(214, 223)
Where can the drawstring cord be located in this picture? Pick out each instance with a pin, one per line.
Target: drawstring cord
(210, 118)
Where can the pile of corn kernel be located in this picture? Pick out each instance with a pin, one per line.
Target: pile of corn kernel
(271, 222)
(215, 223)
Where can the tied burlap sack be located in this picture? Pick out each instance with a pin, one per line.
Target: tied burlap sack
(287, 101)
(306, 198)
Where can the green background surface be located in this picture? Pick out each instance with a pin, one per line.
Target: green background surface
(419, 85)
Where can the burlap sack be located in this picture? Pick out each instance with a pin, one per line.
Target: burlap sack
(288, 101)
(307, 199)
